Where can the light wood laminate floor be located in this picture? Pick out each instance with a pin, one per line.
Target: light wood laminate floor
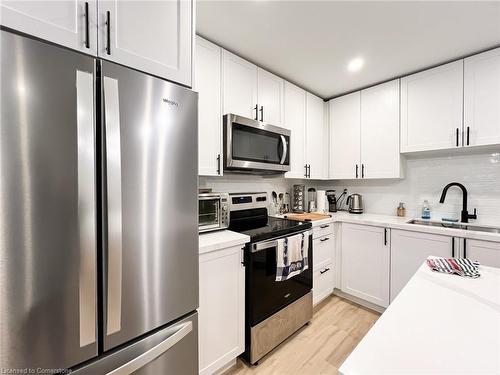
(319, 348)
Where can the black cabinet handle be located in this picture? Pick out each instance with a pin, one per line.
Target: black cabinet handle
(453, 247)
(457, 136)
(362, 171)
(305, 166)
(385, 236)
(108, 30)
(218, 164)
(256, 108)
(357, 171)
(324, 239)
(324, 226)
(87, 39)
(465, 247)
(325, 270)
(261, 113)
(468, 131)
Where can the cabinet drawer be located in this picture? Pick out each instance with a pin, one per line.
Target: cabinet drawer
(322, 249)
(323, 280)
(323, 230)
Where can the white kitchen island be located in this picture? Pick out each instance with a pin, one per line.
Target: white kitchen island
(438, 324)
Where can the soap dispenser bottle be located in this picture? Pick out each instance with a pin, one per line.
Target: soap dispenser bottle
(426, 210)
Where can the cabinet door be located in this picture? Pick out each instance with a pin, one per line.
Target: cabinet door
(295, 121)
(482, 99)
(380, 131)
(365, 262)
(207, 81)
(485, 252)
(60, 22)
(409, 250)
(270, 97)
(152, 36)
(431, 109)
(239, 86)
(345, 117)
(316, 137)
(222, 308)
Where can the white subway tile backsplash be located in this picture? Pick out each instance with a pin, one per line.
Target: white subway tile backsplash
(424, 179)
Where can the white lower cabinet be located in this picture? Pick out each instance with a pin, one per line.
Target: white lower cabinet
(365, 263)
(323, 255)
(222, 308)
(409, 250)
(323, 281)
(485, 252)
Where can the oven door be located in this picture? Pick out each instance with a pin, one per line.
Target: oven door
(209, 213)
(253, 145)
(264, 295)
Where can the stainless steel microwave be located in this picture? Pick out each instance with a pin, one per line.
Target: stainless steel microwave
(255, 147)
(213, 211)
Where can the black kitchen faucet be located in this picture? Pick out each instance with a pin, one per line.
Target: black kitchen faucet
(465, 214)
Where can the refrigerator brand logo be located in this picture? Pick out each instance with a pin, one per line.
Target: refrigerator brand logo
(171, 102)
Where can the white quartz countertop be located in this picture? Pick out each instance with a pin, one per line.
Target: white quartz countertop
(221, 239)
(438, 324)
(396, 222)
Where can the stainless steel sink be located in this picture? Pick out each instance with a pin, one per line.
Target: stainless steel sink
(445, 224)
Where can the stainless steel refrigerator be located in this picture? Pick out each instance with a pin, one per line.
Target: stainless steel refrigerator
(98, 215)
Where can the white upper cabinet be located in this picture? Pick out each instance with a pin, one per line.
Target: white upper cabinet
(431, 108)
(239, 86)
(482, 99)
(151, 36)
(270, 97)
(380, 156)
(295, 121)
(207, 81)
(316, 138)
(345, 114)
(70, 23)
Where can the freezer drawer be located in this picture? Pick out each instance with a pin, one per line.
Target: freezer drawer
(170, 351)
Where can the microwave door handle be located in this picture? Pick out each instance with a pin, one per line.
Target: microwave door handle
(285, 149)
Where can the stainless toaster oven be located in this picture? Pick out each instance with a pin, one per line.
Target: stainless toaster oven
(213, 211)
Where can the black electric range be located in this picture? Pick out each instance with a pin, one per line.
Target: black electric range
(264, 295)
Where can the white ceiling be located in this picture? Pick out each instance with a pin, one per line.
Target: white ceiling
(311, 42)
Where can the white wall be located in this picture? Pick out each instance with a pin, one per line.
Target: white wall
(425, 179)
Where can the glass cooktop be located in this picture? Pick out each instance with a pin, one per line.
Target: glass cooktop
(260, 230)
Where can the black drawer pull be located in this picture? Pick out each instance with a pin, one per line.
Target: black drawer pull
(324, 226)
(323, 271)
(324, 239)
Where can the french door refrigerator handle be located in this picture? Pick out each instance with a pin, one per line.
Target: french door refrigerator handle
(86, 206)
(114, 205)
(153, 353)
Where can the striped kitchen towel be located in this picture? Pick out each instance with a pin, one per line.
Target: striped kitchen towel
(291, 256)
(456, 266)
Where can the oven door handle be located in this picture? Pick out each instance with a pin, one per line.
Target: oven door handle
(256, 247)
(285, 149)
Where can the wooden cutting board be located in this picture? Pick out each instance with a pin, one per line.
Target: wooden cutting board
(307, 216)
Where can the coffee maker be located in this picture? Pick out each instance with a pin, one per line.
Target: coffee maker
(332, 200)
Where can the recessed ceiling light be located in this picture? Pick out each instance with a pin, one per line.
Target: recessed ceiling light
(355, 64)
